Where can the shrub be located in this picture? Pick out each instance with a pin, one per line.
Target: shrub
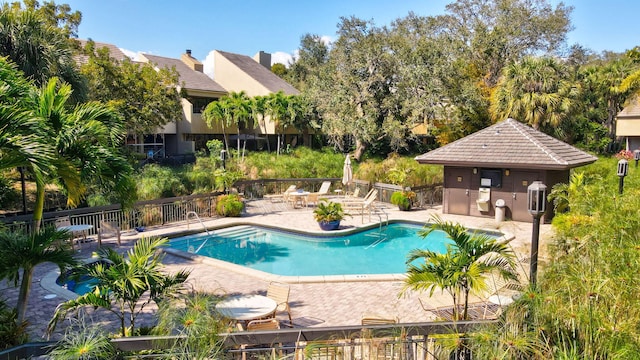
(229, 205)
(11, 333)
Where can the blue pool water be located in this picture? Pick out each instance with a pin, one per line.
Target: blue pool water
(291, 254)
(80, 286)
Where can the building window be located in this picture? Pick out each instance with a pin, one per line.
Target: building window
(491, 178)
(199, 103)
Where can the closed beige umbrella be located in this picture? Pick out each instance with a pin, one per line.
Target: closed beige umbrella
(347, 173)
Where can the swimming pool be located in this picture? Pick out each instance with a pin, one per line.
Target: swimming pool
(374, 251)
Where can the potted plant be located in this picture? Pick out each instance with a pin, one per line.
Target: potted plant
(328, 214)
(404, 199)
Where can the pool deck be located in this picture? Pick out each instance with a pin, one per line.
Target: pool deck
(316, 302)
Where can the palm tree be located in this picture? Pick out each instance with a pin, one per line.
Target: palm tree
(86, 139)
(277, 108)
(536, 91)
(24, 252)
(122, 283)
(216, 113)
(258, 112)
(465, 267)
(238, 107)
(41, 49)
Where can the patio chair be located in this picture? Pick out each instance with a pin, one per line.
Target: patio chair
(280, 294)
(314, 197)
(111, 228)
(263, 324)
(376, 319)
(361, 207)
(281, 196)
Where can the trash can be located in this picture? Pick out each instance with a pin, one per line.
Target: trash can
(500, 208)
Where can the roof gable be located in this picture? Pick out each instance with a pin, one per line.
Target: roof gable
(192, 79)
(632, 110)
(259, 73)
(509, 143)
(114, 51)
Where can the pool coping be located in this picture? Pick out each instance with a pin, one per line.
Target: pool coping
(308, 279)
(48, 282)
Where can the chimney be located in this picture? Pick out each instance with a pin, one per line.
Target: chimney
(191, 62)
(263, 59)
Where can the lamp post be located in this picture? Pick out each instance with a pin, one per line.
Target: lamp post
(223, 157)
(536, 204)
(623, 169)
(636, 156)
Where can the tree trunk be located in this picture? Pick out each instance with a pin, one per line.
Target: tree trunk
(25, 286)
(360, 149)
(38, 207)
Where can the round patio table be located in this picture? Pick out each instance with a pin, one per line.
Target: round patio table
(247, 307)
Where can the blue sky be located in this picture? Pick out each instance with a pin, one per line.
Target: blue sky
(167, 28)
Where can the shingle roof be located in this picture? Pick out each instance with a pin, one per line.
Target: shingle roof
(114, 51)
(631, 111)
(259, 73)
(509, 143)
(192, 79)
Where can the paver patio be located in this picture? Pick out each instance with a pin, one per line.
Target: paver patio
(312, 304)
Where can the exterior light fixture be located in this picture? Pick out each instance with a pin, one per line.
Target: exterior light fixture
(536, 205)
(636, 156)
(475, 170)
(623, 169)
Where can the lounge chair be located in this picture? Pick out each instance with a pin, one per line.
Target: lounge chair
(375, 319)
(475, 311)
(282, 196)
(280, 294)
(314, 197)
(360, 207)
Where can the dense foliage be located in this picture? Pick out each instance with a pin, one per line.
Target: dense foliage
(586, 304)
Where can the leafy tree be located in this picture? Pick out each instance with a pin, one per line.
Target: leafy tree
(32, 38)
(352, 90)
(216, 113)
(122, 283)
(465, 267)
(537, 91)
(87, 140)
(21, 253)
(279, 69)
(313, 53)
(144, 96)
(258, 114)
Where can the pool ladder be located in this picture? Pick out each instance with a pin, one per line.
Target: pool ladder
(382, 234)
(201, 223)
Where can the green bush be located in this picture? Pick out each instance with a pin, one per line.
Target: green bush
(8, 195)
(11, 333)
(229, 205)
(156, 182)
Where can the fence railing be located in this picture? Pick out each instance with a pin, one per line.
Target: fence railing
(143, 213)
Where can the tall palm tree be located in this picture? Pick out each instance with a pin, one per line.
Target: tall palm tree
(258, 112)
(277, 108)
(20, 253)
(238, 106)
(41, 49)
(216, 113)
(87, 141)
(465, 267)
(537, 91)
(122, 283)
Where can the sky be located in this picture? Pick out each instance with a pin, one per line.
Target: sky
(168, 28)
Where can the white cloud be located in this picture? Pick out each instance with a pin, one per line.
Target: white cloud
(207, 64)
(326, 39)
(131, 54)
(282, 58)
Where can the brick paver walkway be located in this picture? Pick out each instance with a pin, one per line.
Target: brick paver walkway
(312, 304)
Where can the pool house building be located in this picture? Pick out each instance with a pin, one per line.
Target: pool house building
(494, 167)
